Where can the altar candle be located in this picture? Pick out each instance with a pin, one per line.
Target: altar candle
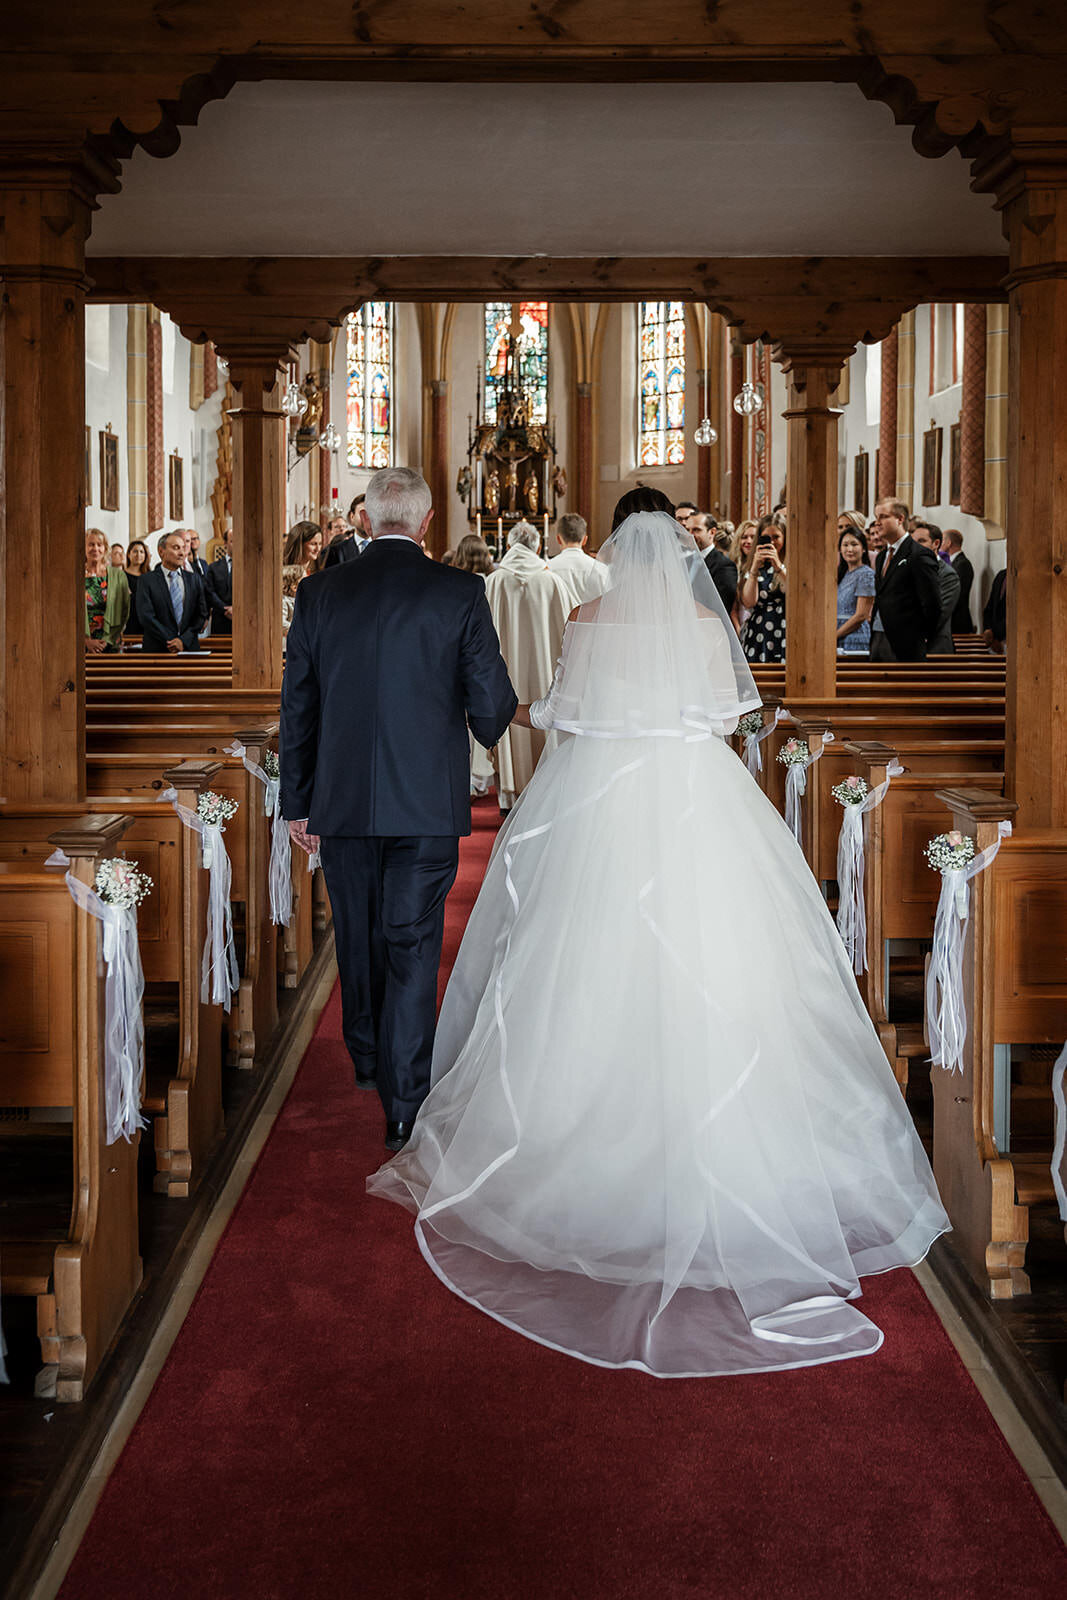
(479, 524)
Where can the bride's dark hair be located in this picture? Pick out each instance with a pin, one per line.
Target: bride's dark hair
(640, 499)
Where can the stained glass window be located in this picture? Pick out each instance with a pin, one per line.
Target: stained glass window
(370, 384)
(661, 365)
(532, 352)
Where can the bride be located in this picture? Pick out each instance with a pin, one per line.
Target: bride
(662, 1132)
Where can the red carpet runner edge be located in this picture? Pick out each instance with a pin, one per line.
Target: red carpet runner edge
(332, 1422)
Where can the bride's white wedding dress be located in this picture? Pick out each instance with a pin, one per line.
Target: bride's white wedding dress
(662, 1132)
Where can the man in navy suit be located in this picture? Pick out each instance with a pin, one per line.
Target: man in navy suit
(389, 660)
(220, 588)
(352, 545)
(171, 602)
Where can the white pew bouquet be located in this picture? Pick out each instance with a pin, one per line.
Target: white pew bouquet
(750, 723)
(850, 791)
(794, 753)
(953, 855)
(949, 852)
(215, 809)
(120, 883)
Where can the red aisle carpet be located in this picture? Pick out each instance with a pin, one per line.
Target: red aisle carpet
(332, 1422)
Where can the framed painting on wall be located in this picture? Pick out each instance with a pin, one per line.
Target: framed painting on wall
(109, 470)
(877, 475)
(176, 487)
(861, 483)
(955, 464)
(932, 442)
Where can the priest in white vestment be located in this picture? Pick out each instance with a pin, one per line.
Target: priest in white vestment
(586, 577)
(530, 606)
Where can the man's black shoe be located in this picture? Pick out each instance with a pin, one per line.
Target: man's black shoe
(397, 1135)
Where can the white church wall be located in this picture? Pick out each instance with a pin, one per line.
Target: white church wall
(193, 433)
(105, 405)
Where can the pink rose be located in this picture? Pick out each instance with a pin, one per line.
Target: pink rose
(955, 838)
(854, 781)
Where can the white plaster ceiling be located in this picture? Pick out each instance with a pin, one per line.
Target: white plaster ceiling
(290, 169)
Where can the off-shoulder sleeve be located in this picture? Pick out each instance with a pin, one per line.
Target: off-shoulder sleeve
(543, 712)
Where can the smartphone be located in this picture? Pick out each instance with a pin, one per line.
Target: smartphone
(765, 538)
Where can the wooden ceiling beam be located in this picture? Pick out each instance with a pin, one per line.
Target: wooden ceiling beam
(286, 300)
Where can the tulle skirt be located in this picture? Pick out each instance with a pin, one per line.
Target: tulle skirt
(662, 1132)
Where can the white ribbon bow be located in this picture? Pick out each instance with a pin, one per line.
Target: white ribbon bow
(796, 785)
(219, 973)
(851, 901)
(1058, 1072)
(753, 753)
(123, 1014)
(946, 1014)
(279, 881)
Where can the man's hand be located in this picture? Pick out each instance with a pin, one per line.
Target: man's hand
(175, 646)
(228, 610)
(95, 647)
(298, 831)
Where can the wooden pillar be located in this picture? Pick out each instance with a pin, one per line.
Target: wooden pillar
(583, 451)
(905, 485)
(811, 549)
(259, 497)
(972, 412)
(1031, 186)
(705, 489)
(44, 221)
(437, 538)
(886, 487)
(737, 434)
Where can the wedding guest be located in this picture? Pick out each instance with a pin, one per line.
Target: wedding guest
(291, 579)
(171, 602)
(907, 591)
(355, 539)
(995, 615)
(952, 546)
(724, 538)
(683, 511)
(335, 527)
(851, 522)
(117, 556)
(929, 535)
(194, 561)
(529, 607)
(586, 577)
(473, 555)
(762, 592)
(107, 596)
(855, 590)
(703, 527)
(740, 549)
(303, 547)
(219, 586)
(138, 563)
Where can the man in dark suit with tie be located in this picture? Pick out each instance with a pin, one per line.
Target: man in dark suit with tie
(352, 546)
(220, 588)
(907, 602)
(390, 659)
(194, 561)
(171, 602)
(962, 621)
(723, 571)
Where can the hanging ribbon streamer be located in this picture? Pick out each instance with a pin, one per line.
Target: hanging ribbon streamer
(946, 1014)
(1058, 1072)
(279, 881)
(796, 785)
(851, 903)
(123, 1014)
(219, 973)
(753, 754)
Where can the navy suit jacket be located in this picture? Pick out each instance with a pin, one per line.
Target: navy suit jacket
(220, 594)
(724, 576)
(908, 598)
(342, 550)
(388, 660)
(156, 614)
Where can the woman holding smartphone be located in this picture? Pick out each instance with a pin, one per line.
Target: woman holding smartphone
(762, 594)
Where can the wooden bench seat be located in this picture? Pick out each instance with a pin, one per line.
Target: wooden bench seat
(84, 1274)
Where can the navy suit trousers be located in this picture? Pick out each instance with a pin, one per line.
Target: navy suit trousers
(388, 902)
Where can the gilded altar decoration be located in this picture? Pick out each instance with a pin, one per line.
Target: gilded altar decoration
(513, 473)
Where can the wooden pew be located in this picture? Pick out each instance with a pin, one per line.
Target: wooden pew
(1015, 991)
(900, 890)
(248, 844)
(183, 1091)
(76, 1254)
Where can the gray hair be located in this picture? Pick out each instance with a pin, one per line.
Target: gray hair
(571, 528)
(525, 533)
(397, 501)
